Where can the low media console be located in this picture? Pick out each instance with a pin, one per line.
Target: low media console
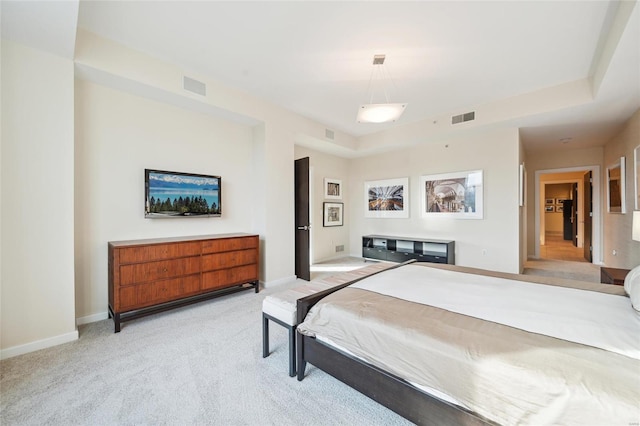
(401, 249)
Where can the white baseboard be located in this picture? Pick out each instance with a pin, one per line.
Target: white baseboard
(92, 318)
(274, 283)
(38, 344)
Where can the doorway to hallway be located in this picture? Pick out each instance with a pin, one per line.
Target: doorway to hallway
(572, 235)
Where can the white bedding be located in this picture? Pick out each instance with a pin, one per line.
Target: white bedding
(600, 320)
(510, 374)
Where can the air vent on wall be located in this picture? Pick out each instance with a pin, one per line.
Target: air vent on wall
(463, 117)
(329, 134)
(194, 86)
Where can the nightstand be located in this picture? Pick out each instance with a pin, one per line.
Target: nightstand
(613, 275)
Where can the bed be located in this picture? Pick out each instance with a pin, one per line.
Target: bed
(443, 344)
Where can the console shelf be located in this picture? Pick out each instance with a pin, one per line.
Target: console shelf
(401, 249)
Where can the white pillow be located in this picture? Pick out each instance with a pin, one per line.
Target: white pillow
(632, 287)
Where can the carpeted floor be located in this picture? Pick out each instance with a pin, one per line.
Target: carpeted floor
(582, 271)
(196, 365)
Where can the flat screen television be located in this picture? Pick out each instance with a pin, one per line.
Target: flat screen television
(176, 194)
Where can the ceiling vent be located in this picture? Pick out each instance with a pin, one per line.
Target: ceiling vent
(468, 116)
(194, 86)
(329, 134)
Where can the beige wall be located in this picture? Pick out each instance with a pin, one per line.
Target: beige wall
(490, 243)
(37, 277)
(617, 235)
(117, 136)
(325, 239)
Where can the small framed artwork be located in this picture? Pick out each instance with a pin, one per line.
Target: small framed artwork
(333, 214)
(522, 186)
(332, 189)
(387, 198)
(549, 201)
(452, 195)
(636, 176)
(616, 187)
(560, 200)
(559, 209)
(549, 209)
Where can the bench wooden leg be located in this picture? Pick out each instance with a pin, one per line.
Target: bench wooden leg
(292, 351)
(265, 336)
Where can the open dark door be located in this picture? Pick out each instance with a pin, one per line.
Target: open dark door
(302, 218)
(588, 215)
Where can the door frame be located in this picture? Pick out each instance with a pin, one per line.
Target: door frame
(596, 230)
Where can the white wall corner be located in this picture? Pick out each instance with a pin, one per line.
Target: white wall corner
(92, 318)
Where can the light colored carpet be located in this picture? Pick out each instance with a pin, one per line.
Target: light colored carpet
(196, 365)
(582, 271)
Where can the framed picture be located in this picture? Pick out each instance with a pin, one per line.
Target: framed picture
(549, 209)
(332, 189)
(560, 201)
(636, 176)
(616, 187)
(523, 184)
(549, 201)
(333, 214)
(559, 209)
(454, 195)
(387, 198)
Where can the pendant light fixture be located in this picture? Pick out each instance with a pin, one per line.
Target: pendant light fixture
(379, 112)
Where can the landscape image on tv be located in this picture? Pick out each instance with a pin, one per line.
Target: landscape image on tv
(173, 194)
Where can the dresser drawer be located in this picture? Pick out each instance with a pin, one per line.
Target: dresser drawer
(221, 245)
(158, 252)
(229, 259)
(225, 277)
(143, 295)
(150, 271)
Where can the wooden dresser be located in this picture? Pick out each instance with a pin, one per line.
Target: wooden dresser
(153, 275)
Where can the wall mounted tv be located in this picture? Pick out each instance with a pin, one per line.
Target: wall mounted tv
(175, 194)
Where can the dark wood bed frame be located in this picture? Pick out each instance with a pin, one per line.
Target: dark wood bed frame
(383, 387)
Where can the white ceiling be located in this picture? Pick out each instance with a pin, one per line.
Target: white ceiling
(445, 58)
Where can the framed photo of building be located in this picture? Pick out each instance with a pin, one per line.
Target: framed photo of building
(332, 189)
(387, 198)
(333, 214)
(452, 195)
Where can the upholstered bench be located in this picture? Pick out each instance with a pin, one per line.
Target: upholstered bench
(281, 307)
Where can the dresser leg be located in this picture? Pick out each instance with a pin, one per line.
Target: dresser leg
(116, 322)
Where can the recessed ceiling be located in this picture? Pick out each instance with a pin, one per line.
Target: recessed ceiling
(445, 58)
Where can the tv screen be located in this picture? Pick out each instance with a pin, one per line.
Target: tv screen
(175, 194)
